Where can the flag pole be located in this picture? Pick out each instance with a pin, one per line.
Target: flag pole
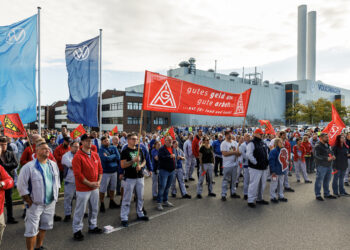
(100, 80)
(141, 122)
(243, 125)
(39, 87)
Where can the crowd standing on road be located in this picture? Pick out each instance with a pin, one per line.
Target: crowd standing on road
(93, 165)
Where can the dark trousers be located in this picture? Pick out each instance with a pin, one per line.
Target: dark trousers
(308, 164)
(118, 185)
(197, 166)
(218, 165)
(8, 199)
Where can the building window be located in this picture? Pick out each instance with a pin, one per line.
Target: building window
(112, 120)
(134, 105)
(117, 106)
(133, 120)
(106, 107)
(160, 121)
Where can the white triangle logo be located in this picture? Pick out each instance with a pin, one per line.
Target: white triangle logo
(240, 107)
(164, 98)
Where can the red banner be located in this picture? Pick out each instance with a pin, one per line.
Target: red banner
(79, 131)
(114, 131)
(13, 126)
(335, 127)
(268, 127)
(166, 94)
(172, 133)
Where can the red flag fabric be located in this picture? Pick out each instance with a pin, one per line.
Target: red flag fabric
(203, 173)
(335, 127)
(268, 127)
(166, 94)
(159, 127)
(77, 132)
(162, 140)
(114, 131)
(13, 126)
(172, 133)
(283, 159)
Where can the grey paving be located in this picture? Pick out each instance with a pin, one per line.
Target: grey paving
(302, 223)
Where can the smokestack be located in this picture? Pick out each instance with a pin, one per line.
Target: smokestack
(301, 57)
(311, 45)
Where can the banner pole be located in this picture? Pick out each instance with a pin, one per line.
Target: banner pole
(39, 86)
(141, 122)
(100, 80)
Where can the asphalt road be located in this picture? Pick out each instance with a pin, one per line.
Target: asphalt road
(302, 223)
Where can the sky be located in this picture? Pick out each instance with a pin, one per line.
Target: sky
(156, 35)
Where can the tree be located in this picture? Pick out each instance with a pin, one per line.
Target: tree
(292, 113)
(308, 112)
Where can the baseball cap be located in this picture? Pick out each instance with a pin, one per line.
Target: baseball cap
(85, 136)
(258, 131)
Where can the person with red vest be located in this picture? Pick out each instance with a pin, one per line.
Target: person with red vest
(195, 148)
(299, 161)
(6, 182)
(286, 144)
(308, 153)
(59, 152)
(88, 172)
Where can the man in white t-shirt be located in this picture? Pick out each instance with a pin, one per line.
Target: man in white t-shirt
(230, 153)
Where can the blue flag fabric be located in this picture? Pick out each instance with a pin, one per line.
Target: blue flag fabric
(18, 49)
(82, 67)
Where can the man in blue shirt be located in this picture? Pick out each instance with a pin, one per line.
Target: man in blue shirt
(218, 155)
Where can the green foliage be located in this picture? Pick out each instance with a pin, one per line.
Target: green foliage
(313, 112)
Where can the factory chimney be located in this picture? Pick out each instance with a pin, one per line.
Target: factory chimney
(301, 57)
(311, 45)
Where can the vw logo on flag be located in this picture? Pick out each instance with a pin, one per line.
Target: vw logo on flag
(81, 53)
(15, 35)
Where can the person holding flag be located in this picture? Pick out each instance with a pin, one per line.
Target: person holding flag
(323, 159)
(299, 161)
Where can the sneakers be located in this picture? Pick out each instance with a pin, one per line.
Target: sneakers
(167, 204)
(154, 198)
(291, 190)
(40, 248)
(78, 236)
(199, 196)
(245, 197)
(57, 218)
(102, 207)
(143, 218)
(283, 199)
(332, 197)
(186, 196)
(212, 195)
(12, 221)
(344, 194)
(159, 207)
(67, 218)
(319, 198)
(235, 196)
(252, 205)
(308, 181)
(298, 180)
(125, 223)
(113, 205)
(223, 198)
(173, 195)
(191, 179)
(274, 200)
(262, 202)
(96, 230)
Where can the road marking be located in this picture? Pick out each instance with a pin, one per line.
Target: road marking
(150, 218)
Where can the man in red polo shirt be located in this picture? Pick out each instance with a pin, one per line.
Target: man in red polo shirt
(88, 171)
(59, 152)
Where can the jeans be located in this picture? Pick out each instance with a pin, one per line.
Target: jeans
(323, 176)
(338, 183)
(8, 199)
(164, 182)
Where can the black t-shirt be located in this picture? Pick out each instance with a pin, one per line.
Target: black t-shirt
(207, 154)
(130, 172)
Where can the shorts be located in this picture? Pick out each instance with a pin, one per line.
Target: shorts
(39, 217)
(108, 178)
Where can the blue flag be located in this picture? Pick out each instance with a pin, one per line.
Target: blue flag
(82, 67)
(18, 49)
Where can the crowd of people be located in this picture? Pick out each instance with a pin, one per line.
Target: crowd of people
(94, 165)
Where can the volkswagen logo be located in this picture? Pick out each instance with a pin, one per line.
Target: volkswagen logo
(81, 53)
(15, 35)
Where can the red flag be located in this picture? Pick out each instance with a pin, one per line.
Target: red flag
(114, 131)
(79, 131)
(268, 127)
(172, 133)
(203, 173)
(162, 140)
(159, 127)
(13, 126)
(166, 94)
(335, 127)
